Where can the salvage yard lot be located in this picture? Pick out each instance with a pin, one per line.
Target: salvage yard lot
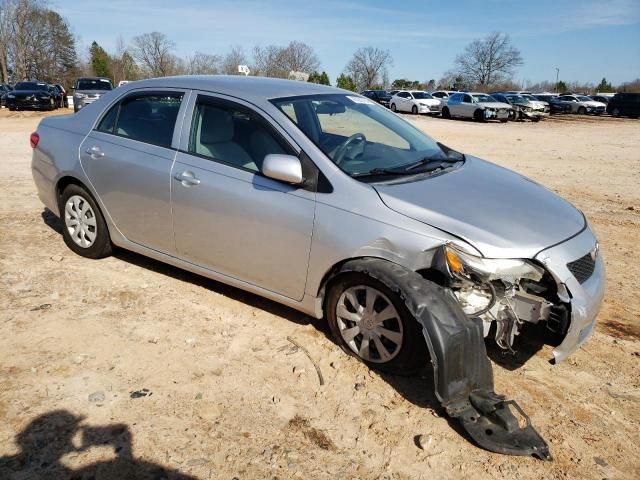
(227, 395)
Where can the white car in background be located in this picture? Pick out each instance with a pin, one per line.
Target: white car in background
(443, 95)
(478, 106)
(582, 104)
(414, 101)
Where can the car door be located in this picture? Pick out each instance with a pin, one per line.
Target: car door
(467, 106)
(405, 102)
(230, 218)
(455, 105)
(128, 157)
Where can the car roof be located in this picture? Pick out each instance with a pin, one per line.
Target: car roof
(245, 87)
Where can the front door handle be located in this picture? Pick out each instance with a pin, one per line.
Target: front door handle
(187, 178)
(94, 152)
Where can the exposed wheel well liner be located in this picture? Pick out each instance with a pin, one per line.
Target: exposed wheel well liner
(463, 375)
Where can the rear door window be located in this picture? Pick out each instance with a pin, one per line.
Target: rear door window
(145, 117)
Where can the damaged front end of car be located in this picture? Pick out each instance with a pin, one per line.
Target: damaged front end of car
(508, 293)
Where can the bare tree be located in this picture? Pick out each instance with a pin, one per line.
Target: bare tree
(489, 60)
(369, 66)
(154, 53)
(232, 59)
(203, 64)
(276, 61)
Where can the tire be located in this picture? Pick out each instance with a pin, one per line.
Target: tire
(405, 357)
(414, 110)
(616, 112)
(504, 120)
(393, 107)
(76, 203)
(446, 114)
(478, 116)
(12, 109)
(582, 111)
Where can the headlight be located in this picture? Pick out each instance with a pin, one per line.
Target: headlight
(79, 95)
(469, 267)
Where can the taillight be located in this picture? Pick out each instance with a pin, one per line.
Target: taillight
(34, 139)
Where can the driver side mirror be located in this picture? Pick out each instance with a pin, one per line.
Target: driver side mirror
(285, 168)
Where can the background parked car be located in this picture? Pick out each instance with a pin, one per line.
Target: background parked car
(582, 104)
(31, 95)
(88, 90)
(4, 89)
(443, 95)
(523, 108)
(415, 101)
(478, 106)
(601, 98)
(627, 104)
(65, 98)
(58, 95)
(380, 96)
(555, 106)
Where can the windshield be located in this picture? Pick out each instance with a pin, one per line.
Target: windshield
(421, 95)
(360, 136)
(582, 98)
(517, 99)
(483, 98)
(31, 86)
(93, 84)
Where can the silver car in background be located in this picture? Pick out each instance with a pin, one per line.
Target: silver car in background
(477, 106)
(320, 199)
(88, 89)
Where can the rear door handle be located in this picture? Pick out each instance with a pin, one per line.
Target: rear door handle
(94, 152)
(187, 178)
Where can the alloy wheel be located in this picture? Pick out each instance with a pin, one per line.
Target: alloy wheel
(80, 221)
(369, 324)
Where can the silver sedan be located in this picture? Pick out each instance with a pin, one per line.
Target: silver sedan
(322, 200)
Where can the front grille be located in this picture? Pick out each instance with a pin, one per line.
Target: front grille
(582, 268)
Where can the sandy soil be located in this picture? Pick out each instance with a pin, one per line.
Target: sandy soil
(125, 363)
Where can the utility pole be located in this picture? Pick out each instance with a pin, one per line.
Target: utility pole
(557, 75)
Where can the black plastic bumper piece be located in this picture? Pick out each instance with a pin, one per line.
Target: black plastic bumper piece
(462, 371)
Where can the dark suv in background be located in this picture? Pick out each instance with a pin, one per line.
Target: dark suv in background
(380, 96)
(624, 104)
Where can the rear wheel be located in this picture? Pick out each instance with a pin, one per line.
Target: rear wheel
(393, 107)
(446, 114)
(616, 112)
(85, 230)
(414, 110)
(371, 322)
(582, 111)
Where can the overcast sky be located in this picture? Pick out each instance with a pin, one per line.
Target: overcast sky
(586, 39)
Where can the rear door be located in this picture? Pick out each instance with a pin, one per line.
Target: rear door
(230, 218)
(128, 157)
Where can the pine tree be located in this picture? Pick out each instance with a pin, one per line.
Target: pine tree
(345, 82)
(100, 61)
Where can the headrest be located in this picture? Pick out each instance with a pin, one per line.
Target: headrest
(216, 125)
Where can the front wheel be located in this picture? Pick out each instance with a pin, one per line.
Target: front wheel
(582, 111)
(393, 107)
(414, 110)
(85, 230)
(478, 115)
(446, 114)
(372, 323)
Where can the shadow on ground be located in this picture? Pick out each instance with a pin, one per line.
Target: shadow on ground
(48, 438)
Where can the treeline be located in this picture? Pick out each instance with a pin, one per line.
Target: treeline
(36, 43)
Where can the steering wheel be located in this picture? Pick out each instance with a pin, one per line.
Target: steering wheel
(342, 149)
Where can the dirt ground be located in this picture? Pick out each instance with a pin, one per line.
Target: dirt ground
(126, 363)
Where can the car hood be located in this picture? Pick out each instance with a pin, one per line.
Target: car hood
(495, 105)
(593, 103)
(92, 92)
(28, 93)
(429, 101)
(499, 212)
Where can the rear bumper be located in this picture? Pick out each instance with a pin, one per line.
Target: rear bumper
(586, 297)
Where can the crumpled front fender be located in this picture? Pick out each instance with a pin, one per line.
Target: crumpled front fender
(462, 371)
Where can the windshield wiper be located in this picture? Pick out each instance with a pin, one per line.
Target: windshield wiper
(381, 171)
